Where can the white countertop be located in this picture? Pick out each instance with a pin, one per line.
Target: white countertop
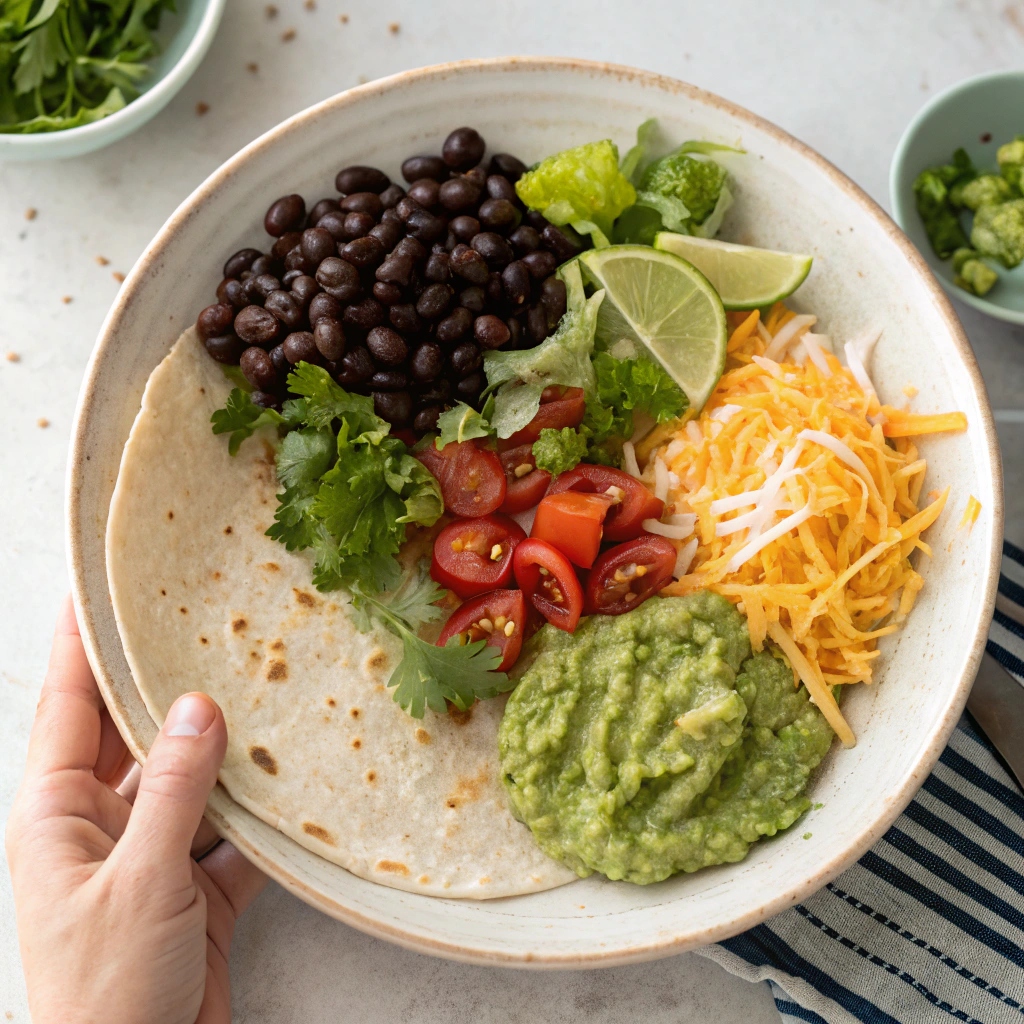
(846, 78)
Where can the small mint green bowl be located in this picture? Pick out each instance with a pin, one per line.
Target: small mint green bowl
(184, 36)
(989, 106)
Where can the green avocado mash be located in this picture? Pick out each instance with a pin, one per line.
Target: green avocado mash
(654, 742)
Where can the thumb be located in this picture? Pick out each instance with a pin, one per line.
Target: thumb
(179, 773)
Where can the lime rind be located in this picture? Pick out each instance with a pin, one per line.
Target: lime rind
(745, 277)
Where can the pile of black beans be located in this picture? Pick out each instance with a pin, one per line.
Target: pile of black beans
(396, 291)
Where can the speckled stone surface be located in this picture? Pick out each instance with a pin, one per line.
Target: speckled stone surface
(844, 78)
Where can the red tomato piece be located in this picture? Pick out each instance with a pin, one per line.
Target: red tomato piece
(406, 435)
(573, 522)
(472, 556)
(627, 574)
(471, 478)
(559, 407)
(635, 502)
(525, 484)
(549, 583)
(498, 617)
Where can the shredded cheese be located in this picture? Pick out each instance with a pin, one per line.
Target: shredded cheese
(971, 512)
(805, 491)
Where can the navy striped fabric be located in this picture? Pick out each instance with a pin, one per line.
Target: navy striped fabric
(928, 927)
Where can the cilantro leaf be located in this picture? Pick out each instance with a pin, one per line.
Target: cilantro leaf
(461, 423)
(558, 451)
(305, 455)
(327, 401)
(414, 600)
(242, 417)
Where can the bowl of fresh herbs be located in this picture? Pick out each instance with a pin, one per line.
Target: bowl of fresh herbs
(76, 75)
(955, 185)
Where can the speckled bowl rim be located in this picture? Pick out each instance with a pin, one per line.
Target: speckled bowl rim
(898, 170)
(640, 950)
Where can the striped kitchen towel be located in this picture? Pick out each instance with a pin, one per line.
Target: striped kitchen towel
(928, 926)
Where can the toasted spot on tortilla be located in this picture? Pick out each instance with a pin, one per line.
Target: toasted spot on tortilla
(304, 597)
(215, 574)
(318, 833)
(377, 661)
(485, 880)
(394, 867)
(239, 624)
(371, 776)
(203, 640)
(163, 592)
(354, 712)
(254, 654)
(460, 717)
(183, 610)
(170, 514)
(277, 645)
(357, 743)
(331, 702)
(468, 789)
(277, 670)
(271, 567)
(423, 879)
(262, 758)
(227, 529)
(422, 736)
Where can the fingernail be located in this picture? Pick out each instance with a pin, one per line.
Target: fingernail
(190, 715)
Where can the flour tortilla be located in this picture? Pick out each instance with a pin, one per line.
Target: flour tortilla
(316, 745)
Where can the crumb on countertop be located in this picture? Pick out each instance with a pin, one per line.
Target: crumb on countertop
(42, 422)
(117, 276)
(102, 261)
(287, 35)
(66, 299)
(394, 28)
(202, 108)
(13, 357)
(270, 11)
(310, 5)
(252, 67)
(31, 213)
(343, 18)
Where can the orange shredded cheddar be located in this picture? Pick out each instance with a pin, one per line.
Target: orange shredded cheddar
(971, 512)
(819, 556)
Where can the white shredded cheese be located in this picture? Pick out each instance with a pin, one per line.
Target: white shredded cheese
(693, 432)
(780, 529)
(787, 334)
(769, 451)
(763, 334)
(860, 375)
(840, 449)
(769, 366)
(687, 519)
(811, 342)
(667, 529)
(660, 479)
(685, 558)
(629, 462)
(724, 413)
(674, 449)
(732, 502)
(673, 480)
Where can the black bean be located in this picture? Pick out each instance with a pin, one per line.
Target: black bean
(242, 260)
(264, 265)
(469, 388)
(389, 380)
(506, 164)
(339, 278)
(361, 179)
(459, 194)
(256, 326)
(358, 224)
(252, 291)
(406, 207)
(334, 222)
(524, 239)
(451, 240)
(473, 298)
(304, 288)
(464, 228)
(515, 282)
(286, 308)
(329, 337)
(225, 348)
(499, 215)
(437, 268)
(215, 320)
(553, 298)
(499, 187)
(393, 406)
(404, 318)
(438, 248)
(396, 269)
(469, 264)
(265, 400)
(422, 224)
(366, 314)
(391, 195)
(494, 249)
(390, 215)
(363, 202)
(232, 291)
(477, 175)
(424, 191)
(434, 301)
(540, 264)
(389, 294)
(322, 305)
(297, 260)
(290, 276)
(426, 419)
(299, 347)
(437, 394)
(427, 362)
(537, 323)
(417, 167)
(258, 368)
(284, 245)
(516, 333)
(317, 245)
(493, 289)
(490, 331)
(536, 219)
(285, 214)
(280, 361)
(560, 242)
(454, 326)
(363, 252)
(387, 233)
(355, 367)
(463, 148)
(466, 359)
(319, 209)
(411, 247)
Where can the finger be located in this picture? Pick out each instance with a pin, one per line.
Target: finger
(177, 777)
(129, 785)
(204, 840)
(66, 731)
(112, 752)
(237, 878)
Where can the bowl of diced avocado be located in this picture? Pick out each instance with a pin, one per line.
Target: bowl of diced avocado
(957, 190)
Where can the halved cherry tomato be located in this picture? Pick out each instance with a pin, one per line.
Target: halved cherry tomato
(472, 556)
(627, 574)
(525, 484)
(549, 582)
(498, 617)
(406, 435)
(471, 478)
(574, 523)
(635, 502)
(559, 407)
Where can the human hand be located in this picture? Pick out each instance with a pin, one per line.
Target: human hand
(117, 922)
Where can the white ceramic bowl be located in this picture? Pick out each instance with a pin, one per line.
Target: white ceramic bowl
(184, 35)
(866, 273)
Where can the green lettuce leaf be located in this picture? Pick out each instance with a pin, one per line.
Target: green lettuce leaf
(461, 423)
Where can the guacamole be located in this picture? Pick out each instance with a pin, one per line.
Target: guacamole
(654, 742)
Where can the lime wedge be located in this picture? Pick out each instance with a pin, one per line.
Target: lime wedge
(745, 277)
(668, 306)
